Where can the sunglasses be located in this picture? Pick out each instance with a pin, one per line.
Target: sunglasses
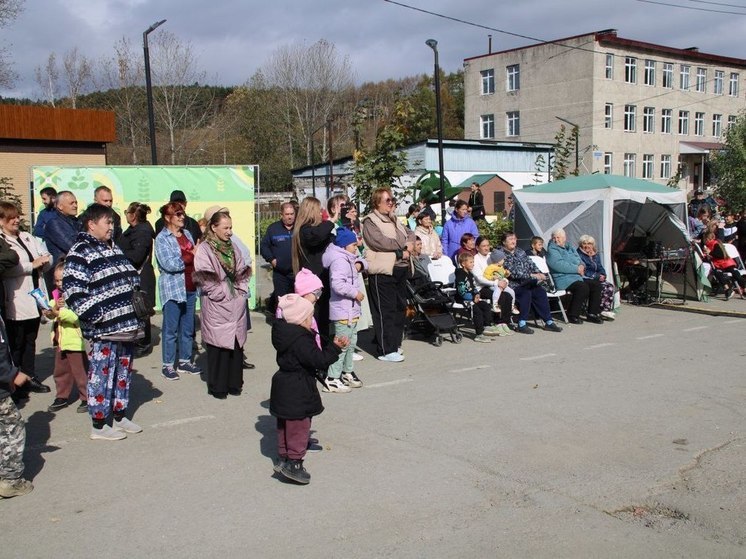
(388, 200)
(317, 293)
(177, 214)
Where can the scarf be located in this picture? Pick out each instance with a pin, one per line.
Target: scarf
(226, 256)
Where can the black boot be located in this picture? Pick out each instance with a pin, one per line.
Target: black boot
(294, 470)
(35, 385)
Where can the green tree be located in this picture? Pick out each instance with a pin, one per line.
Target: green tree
(9, 194)
(564, 150)
(729, 165)
(385, 163)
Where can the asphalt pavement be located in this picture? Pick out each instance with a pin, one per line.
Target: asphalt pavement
(626, 439)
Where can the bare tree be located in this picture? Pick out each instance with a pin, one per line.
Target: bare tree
(9, 11)
(78, 74)
(48, 78)
(182, 107)
(123, 74)
(313, 81)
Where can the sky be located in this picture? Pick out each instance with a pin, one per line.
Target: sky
(234, 38)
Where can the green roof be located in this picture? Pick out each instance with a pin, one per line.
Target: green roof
(597, 182)
(479, 179)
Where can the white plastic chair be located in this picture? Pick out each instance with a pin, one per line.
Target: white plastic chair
(555, 294)
(733, 253)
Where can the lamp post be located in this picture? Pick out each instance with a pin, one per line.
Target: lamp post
(577, 136)
(433, 44)
(313, 165)
(149, 91)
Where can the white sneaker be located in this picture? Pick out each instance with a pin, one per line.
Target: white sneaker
(107, 433)
(482, 339)
(392, 357)
(335, 385)
(127, 426)
(357, 356)
(351, 380)
(515, 310)
(492, 331)
(609, 315)
(505, 329)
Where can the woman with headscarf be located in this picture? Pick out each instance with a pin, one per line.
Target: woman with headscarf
(223, 276)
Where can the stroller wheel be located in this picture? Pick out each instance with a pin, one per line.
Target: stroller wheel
(438, 341)
(457, 337)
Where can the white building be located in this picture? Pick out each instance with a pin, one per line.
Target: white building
(642, 110)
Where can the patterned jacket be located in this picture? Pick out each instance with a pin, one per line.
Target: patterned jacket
(97, 284)
(520, 267)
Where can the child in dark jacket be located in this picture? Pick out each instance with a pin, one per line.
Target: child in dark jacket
(294, 398)
(468, 292)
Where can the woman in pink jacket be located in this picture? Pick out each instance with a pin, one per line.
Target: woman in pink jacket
(223, 276)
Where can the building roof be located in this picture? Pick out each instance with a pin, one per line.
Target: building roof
(596, 182)
(609, 37)
(480, 179)
(699, 147)
(30, 122)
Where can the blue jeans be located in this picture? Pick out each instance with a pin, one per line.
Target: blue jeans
(178, 324)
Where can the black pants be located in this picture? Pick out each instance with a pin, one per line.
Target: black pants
(387, 305)
(224, 369)
(282, 285)
(481, 316)
(584, 292)
(22, 341)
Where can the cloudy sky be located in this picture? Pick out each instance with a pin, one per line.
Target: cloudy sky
(233, 38)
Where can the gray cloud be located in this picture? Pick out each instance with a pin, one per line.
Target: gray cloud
(233, 38)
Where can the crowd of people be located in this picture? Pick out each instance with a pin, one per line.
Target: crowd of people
(333, 275)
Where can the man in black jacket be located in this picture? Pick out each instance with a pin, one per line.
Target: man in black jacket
(12, 428)
(275, 248)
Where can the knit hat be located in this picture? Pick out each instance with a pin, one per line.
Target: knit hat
(306, 282)
(295, 309)
(178, 196)
(497, 255)
(344, 237)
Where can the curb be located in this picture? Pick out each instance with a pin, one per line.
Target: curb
(699, 310)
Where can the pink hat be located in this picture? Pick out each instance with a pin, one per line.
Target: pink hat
(307, 282)
(295, 309)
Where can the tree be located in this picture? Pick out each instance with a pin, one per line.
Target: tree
(182, 107)
(385, 163)
(78, 74)
(123, 75)
(9, 11)
(564, 148)
(9, 194)
(48, 78)
(312, 81)
(729, 165)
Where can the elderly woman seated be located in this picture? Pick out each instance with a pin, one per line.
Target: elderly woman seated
(595, 271)
(568, 270)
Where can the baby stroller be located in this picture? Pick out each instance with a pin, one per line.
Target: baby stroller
(430, 308)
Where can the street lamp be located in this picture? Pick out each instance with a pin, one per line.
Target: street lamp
(149, 91)
(577, 136)
(433, 44)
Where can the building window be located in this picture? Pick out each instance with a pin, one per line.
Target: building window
(718, 83)
(609, 66)
(684, 77)
(684, 123)
(717, 125)
(630, 69)
(699, 124)
(630, 115)
(701, 80)
(488, 126)
(609, 115)
(513, 123)
(513, 80)
(650, 72)
(668, 75)
(731, 120)
(629, 164)
(499, 201)
(666, 117)
(607, 163)
(733, 85)
(488, 81)
(665, 166)
(648, 120)
(648, 164)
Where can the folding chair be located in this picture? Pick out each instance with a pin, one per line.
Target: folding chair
(554, 294)
(733, 253)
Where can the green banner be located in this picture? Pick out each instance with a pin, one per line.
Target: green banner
(229, 186)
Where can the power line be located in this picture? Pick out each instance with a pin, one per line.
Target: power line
(719, 4)
(710, 10)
